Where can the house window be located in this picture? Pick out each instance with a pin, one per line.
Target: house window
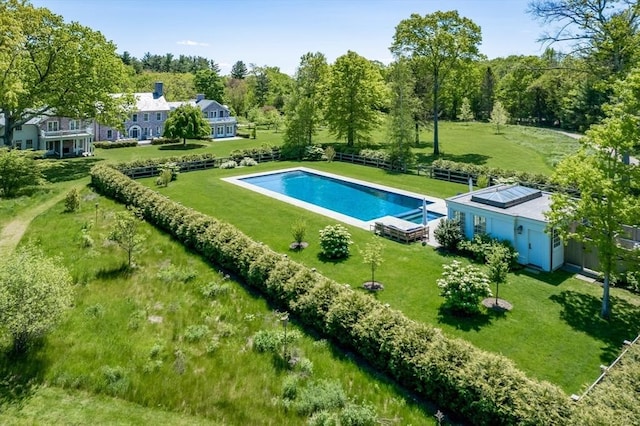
(158, 131)
(134, 118)
(220, 130)
(556, 239)
(29, 144)
(229, 130)
(18, 144)
(460, 217)
(73, 124)
(215, 114)
(17, 128)
(479, 225)
(109, 134)
(145, 116)
(49, 145)
(52, 126)
(158, 116)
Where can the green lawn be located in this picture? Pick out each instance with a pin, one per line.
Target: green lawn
(128, 336)
(554, 332)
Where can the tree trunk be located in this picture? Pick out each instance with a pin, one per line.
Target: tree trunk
(184, 141)
(417, 140)
(436, 148)
(606, 304)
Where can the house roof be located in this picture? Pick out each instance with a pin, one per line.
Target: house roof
(206, 103)
(510, 200)
(146, 102)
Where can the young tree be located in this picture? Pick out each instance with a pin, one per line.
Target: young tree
(608, 186)
(498, 266)
(499, 116)
(186, 121)
(49, 67)
(209, 83)
(442, 41)
(403, 107)
(304, 107)
(239, 70)
(125, 232)
(18, 169)
(372, 256)
(355, 93)
(465, 111)
(34, 294)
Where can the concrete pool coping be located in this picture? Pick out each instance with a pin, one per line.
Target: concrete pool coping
(437, 204)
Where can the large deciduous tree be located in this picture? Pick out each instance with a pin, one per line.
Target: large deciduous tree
(608, 187)
(209, 83)
(18, 169)
(404, 105)
(355, 93)
(34, 293)
(186, 121)
(49, 67)
(443, 41)
(304, 107)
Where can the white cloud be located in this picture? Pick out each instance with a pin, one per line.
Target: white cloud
(192, 43)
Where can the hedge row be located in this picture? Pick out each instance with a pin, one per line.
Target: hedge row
(525, 178)
(485, 388)
(164, 141)
(127, 143)
(159, 161)
(255, 153)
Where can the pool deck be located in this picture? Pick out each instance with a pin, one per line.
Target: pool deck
(437, 204)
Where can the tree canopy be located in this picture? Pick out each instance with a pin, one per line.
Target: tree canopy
(49, 67)
(355, 93)
(442, 41)
(186, 122)
(209, 83)
(34, 293)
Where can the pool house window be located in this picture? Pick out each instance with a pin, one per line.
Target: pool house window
(479, 225)
(460, 217)
(556, 239)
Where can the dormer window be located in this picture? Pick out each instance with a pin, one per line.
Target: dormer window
(52, 126)
(73, 124)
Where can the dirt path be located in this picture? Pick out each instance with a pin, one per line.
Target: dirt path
(13, 231)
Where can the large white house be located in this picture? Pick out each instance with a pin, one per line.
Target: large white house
(514, 213)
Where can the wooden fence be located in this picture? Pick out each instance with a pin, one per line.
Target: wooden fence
(365, 161)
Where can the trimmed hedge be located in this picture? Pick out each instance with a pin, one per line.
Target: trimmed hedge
(160, 161)
(485, 388)
(164, 141)
(127, 143)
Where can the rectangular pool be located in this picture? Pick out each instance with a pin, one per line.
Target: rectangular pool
(355, 199)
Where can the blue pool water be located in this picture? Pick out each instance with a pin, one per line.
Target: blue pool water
(361, 202)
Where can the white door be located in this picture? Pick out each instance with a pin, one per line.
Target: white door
(538, 248)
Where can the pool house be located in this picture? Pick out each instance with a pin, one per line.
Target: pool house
(514, 213)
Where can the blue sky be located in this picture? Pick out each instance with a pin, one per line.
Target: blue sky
(278, 32)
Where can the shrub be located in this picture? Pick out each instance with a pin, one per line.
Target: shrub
(335, 241)
(164, 141)
(313, 153)
(463, 287)
(214, 290)
(248, 162)
(72, 200)
(448, 234)
(298, 231)
(123, 143)
(173, 273)
(229, 165)
(319, 396)
(195, 333)
(329, 154)
(266, 341)
(290, 386)
(482, 245)
(375, 154)
(358, 415)
(114, 380)
(168, 172)
(483, 181)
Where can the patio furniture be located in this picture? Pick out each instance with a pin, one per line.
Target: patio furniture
(400, 230)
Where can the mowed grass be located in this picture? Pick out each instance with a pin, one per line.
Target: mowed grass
(130, 335)
(516, 147)
(554, 332)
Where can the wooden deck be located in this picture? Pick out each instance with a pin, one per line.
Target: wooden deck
(400, 230)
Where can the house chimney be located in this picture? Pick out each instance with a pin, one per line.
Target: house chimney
(199, 97)
(157, 92)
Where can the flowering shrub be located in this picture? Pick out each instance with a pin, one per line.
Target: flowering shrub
(248, 162)
(229, 165)
(335, 241)
(463, 287)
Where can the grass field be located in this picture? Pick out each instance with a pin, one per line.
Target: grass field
(554, 332)
(197, 366)
(150, 336)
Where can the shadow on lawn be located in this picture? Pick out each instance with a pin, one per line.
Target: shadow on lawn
(582, 312)
(554, 278)
(66, 170)
(181, 147)
(122, 271)
(468, 322)
(20, 375)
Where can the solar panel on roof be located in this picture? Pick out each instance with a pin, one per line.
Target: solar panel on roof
(508, 196)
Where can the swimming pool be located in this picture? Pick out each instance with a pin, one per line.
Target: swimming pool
(347, 197)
